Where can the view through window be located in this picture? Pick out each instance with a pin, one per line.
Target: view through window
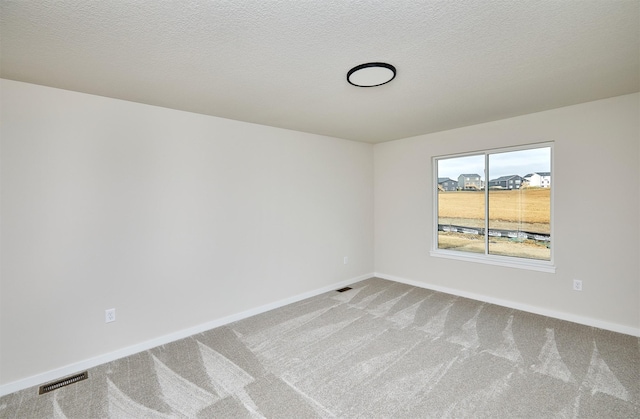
(507, 215)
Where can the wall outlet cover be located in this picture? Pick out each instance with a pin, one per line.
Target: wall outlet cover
(110, 315)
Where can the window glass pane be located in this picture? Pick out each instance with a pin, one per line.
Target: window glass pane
(461, 209)
(520, 212)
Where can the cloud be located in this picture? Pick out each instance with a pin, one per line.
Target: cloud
(520, 162)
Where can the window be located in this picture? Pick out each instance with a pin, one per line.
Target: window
(501, 224)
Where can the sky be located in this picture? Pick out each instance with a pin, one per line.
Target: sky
(520, 162)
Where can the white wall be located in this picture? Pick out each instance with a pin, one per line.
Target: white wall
(597, 231)
(173, 218)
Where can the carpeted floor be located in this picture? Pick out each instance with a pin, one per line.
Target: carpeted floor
(382, 349)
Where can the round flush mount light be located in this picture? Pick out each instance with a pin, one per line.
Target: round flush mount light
(371, 74)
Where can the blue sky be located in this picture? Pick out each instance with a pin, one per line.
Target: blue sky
(520, 162)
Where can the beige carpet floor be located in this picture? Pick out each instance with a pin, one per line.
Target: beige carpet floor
(380, 350)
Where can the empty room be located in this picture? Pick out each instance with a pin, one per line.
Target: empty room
(298, 209)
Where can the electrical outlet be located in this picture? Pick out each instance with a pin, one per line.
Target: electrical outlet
(346, 260)
(110, 315)
(577, 285)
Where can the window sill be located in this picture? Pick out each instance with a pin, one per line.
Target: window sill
(532, 265)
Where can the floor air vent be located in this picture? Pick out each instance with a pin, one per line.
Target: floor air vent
(344, 289)
(64, 382)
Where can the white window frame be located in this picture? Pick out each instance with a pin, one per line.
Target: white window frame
(486, 258)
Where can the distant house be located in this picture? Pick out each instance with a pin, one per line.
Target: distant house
(447, 184)
(506, 182)
(539, 179)
(469, 181)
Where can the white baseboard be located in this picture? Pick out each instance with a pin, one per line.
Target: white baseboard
(70, 369)
(614, 327)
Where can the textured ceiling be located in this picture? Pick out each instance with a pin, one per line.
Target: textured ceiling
(284, 63)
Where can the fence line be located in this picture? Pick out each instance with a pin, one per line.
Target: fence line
(495, 232)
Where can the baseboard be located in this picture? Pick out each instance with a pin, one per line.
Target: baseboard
(614, 327)
(57, 373)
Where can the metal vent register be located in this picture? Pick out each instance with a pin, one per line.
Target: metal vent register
(63, 382)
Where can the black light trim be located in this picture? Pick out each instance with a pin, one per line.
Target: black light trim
(368, 65)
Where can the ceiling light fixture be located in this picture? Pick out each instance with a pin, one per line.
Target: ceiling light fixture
(371, 74)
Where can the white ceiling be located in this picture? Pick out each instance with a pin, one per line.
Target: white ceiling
(284, 63)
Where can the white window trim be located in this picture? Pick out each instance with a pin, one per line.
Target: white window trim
(506, 261)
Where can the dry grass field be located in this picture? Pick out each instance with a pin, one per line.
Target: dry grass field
(524, 209)
(518, 205)
(497, 246)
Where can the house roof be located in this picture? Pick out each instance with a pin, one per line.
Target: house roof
(445, 179)
(470, 175)
(503, 178)
(284, 63)
(537, 173)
